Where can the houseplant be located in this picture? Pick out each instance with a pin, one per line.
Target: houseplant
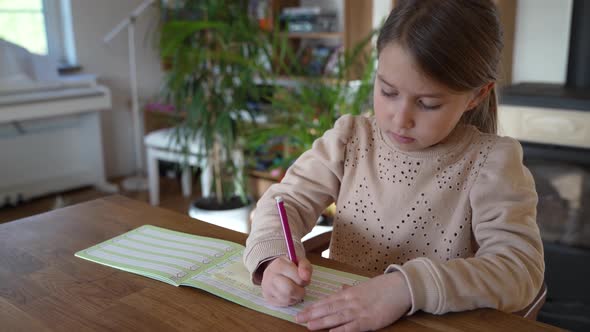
(308, 110)
(302, 114)
(215, 53)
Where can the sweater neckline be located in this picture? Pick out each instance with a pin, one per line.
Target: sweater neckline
(458, 139)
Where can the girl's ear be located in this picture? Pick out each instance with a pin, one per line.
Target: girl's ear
(481, 95)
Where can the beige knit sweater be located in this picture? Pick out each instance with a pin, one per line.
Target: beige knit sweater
(457, 219)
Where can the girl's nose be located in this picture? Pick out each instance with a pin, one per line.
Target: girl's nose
(403, 118)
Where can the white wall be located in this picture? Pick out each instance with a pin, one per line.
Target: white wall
(93, 19)
(541, 40)
(381, 9)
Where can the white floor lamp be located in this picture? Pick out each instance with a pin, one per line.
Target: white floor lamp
(139, 181)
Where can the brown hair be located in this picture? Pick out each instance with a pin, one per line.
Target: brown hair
(455, 42)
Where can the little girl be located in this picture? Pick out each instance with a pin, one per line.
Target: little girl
(425, 190)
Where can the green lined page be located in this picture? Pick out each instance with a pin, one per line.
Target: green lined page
(161, 254)
(206, 263)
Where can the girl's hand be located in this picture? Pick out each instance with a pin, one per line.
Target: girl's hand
(283, 283)
(371, 305)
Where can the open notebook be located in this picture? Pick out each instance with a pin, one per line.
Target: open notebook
(206, 263)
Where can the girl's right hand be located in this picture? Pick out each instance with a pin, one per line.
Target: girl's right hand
(283, 283)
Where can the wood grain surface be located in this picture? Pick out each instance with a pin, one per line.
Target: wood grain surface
(44, 287)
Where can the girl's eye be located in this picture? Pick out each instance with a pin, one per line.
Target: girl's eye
(388, 94)
(428, 107)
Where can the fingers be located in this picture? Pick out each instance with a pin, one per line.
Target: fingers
(366, 306)
(342, 319)
(281, 291)
(326, 314)
(305, 269)
(286, 268)
(321, 308)
(282, 284)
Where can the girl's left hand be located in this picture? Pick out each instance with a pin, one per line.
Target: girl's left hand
(370, 305)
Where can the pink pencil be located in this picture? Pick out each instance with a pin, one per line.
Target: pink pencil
(286, 230)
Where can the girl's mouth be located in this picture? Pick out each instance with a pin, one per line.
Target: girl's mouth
(401, 139)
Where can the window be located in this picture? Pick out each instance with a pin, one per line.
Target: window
(23, 23)
(41, 26)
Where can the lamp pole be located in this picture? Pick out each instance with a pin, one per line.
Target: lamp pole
(139, 181)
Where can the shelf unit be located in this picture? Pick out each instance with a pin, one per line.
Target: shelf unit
(314, 35)
(358, 23)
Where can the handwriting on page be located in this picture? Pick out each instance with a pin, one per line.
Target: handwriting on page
(232, 278)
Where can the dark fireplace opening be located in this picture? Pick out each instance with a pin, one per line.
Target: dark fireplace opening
(562, 179)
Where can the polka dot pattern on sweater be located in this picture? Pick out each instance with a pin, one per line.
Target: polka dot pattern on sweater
(369, 235)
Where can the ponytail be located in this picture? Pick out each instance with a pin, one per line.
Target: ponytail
(485, 116)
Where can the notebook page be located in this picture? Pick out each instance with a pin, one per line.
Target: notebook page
(161, 254)
(231, 281)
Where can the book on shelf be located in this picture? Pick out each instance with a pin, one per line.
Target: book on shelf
(301, 11)
(209, 264)
(319, 60)
(307, 19)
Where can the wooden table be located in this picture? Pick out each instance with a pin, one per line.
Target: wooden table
(43, 287)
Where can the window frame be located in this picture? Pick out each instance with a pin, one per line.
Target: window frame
(59, 35)
(59, 31)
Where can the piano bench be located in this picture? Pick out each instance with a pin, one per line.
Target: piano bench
(161, 145)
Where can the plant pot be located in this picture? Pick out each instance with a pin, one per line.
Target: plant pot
(233, 215)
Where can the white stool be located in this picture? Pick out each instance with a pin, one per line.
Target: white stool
(161, 145)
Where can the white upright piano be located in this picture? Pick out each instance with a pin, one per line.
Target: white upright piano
(50, 140)
(50, 136)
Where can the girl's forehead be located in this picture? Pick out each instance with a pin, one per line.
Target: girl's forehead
(397, 68)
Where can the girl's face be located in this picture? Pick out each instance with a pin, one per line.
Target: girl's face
(413, 111)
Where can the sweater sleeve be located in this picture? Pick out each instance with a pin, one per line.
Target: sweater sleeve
(507, 270)
(309, 186)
